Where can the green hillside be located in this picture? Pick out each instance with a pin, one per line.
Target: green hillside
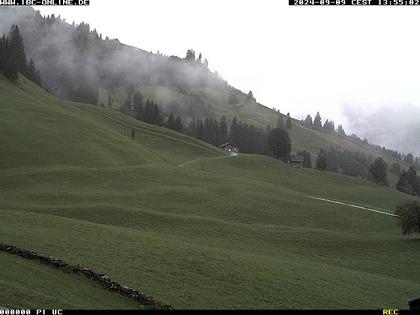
(28, 284)
(231, 232)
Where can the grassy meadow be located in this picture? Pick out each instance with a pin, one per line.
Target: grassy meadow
(218, 233)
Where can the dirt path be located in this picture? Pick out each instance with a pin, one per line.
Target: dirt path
(232, 155)
(351, 205)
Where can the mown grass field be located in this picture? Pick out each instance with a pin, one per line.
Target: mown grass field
(219, 233)
(27, 284)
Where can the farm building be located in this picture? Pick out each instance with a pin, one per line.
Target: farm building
(228, 147)
(295, 160)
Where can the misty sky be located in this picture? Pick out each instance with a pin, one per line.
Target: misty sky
(297, 59)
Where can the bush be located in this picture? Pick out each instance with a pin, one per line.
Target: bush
(409, 217)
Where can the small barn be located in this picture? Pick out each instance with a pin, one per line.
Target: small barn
(295, 160)
(228, 147)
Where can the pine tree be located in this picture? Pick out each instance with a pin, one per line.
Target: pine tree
(190, 55)
(170, 123)
(223, 130)
(250, 97)
(288, 122)
(279, 143)
(403, 184)
(378, 170)
(157, 115)
(307, 160)
(308, 122)
(321, 160)
(138, 104)
(179, 126)
(409, 217)
(32, 74)
(17, 49)
(318, 121)
(234, 136)
(11, 67)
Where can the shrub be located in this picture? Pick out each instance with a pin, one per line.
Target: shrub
(409, 217)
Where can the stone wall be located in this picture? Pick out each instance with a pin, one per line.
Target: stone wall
(103, 279)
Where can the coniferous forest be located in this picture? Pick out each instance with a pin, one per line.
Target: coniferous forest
(13, 58)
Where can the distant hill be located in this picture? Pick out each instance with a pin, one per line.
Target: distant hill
(75, 60)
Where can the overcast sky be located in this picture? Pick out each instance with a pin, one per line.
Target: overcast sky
(297, 59)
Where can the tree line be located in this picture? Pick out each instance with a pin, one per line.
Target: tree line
(316, 123)
(248, 138)
(347, 162)
(13, 58)
(354, 164)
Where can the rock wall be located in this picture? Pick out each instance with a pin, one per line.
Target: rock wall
(103, 279)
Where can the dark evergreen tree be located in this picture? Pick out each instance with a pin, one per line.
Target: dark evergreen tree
(138, 104)
(190, 57)
(341, 131)
(318, 121)
(403, 184)
(170, 123)
(279, 143)
(333, 160)
(308, 121)
(17, 49)
(409, 217)
(32, 74)
(321, 160)
(378, 170)
(234, 134)
(223, 130)
(288, 122)
(329, 125)
(250, 97)
(148, 116)
(307, 161)
(11, 67)
(179, 125)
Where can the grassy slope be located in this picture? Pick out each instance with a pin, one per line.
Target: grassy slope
(52, 288)
(220, 233)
